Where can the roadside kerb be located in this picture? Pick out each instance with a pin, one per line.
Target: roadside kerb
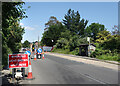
(87, 60)
(85, 57)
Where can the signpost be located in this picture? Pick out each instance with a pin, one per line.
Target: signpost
(39, 53)
(18, 61)
(88, 39)
(39, 50)
(29, 53)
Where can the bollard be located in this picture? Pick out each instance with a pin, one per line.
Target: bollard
(43, 56)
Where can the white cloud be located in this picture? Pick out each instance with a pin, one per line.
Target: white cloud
(36, 26)
(29, 28)
(21, 24)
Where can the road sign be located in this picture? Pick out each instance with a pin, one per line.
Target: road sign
(39, 50)
(28, 52)
(18, 60)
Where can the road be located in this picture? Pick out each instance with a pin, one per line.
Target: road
(55, 70)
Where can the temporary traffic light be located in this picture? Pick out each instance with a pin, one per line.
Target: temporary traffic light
(33, 48)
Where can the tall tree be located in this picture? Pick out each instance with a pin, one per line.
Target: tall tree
(93, 29)
(53, 33)
(26, 44)
(115, 30)
(12, 32)
(52, 21)
(73, 23)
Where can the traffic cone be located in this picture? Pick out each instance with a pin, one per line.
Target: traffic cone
(43, 56)
(30, 72)
(34, 56)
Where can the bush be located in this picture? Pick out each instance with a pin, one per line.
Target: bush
(112, 44)
(114, 57)
(75, 52)
(66, 51)
(53, 50)
(75, 41)
(5, 52)
(62, 43)
(105, 55)
(98, 52)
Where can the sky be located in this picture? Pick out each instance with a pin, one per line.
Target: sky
(105, 13)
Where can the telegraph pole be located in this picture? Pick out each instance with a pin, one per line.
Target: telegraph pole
(38, 41)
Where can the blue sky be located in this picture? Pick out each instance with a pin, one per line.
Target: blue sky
(99, 12)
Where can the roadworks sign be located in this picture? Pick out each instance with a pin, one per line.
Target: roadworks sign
(18, 60)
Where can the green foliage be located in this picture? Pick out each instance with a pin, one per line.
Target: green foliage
(11, 30)
(75, 41)
(93, 29)
(14, 37)
(26, 44)
(5, 52)
(52, 21)
(64, 51)
(13, 13)
(62, 43)
(98, 52)
(75, 51)
(115, 30)
(105, 54)
(110, 57)
(103, 36)
(68, 37)
(107, 46)
(53, 33)
(66, 34)
(112, 44)
(73, 23)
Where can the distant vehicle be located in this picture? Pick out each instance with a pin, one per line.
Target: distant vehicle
(47, 48)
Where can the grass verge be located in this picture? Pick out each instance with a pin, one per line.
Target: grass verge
(108, 57)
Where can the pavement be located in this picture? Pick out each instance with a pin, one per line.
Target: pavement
(60, 70)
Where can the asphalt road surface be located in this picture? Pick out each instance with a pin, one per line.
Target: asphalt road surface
(55, 70)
